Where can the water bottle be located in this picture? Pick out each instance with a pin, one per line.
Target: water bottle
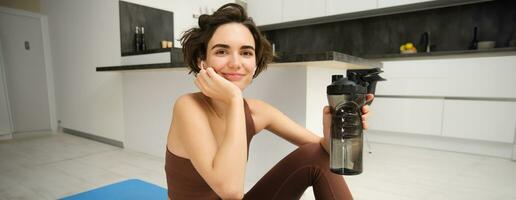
(346, 96)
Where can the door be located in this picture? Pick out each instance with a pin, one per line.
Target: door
(5, 116)
(24, 62)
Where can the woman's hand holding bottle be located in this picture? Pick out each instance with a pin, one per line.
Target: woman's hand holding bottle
(327, 120)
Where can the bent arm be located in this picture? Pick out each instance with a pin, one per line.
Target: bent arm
(222, 165)
(278, 123)
(281, 125)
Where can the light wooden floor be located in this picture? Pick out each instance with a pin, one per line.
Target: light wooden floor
(50, 166)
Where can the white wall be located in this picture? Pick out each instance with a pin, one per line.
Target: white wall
(316, 81)
(85, 35)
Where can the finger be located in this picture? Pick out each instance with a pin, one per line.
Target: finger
(365, 126)
(364, 117)
(211, 72)
(198, 83)
(369, 97)
(203, 65)
(365, 109)
(207, 85)
(202, 72)
(205, 78)
(203, 81)
(200, 86)
(326, 110)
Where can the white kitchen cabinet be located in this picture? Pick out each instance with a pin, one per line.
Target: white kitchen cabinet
(414, 78)
(391, 3)
(335, 7)
(481, 77)
(480, 120)
(407, 115)
(484, 77)
(265, 12)
(303, 9)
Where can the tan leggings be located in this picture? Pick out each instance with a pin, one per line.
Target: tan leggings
(307, 166)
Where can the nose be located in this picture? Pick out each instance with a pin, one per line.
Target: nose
(234, 61)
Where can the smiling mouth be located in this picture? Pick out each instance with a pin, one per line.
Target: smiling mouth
(233, 76)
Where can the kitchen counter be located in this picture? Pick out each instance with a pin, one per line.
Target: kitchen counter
(442, 54)
(326, 59)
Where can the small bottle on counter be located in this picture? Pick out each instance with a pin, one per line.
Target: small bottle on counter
(474, 42)
(143, 44)
(273, 49)
(137, 42)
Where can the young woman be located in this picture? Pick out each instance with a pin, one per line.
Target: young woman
(209, 136)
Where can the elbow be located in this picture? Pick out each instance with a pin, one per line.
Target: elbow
(230, 191)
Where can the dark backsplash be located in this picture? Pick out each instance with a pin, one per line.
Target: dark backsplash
(159, 25)
(450, 28)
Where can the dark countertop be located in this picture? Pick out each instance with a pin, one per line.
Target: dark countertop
(439, 54)
(329, 58)
(140, 67)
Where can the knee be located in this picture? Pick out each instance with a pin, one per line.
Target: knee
(314, 154)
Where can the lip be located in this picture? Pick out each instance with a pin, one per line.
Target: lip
(233, 76)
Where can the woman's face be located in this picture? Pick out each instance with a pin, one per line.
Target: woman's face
(231, 53)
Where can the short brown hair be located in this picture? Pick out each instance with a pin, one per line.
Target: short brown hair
(195, 40)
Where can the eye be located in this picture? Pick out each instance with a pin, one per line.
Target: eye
(247, 53)
(220, 52)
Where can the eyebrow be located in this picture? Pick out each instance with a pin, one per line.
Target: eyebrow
(227, 46)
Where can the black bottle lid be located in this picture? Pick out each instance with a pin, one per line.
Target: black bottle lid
(342, 85)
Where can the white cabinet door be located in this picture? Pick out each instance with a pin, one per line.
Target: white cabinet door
(407, 115)
(265, 12)
(485, 77)
(390, 3)
(414, 78)
(481, 120)
(303, 9)
(335, 7)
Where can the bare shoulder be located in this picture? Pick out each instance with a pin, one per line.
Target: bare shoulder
(189, 120)
(190, 109)
(191, 102)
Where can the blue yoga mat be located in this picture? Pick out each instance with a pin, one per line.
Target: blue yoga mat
(132, 189)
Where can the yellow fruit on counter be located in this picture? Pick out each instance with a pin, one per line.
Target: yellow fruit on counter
(408, 48)
(409, 45)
